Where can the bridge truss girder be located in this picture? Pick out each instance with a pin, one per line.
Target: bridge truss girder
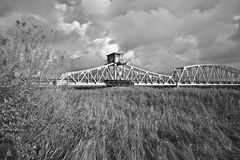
(97, 76)
(209, 74)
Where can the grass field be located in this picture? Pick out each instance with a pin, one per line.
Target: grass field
(134, 124)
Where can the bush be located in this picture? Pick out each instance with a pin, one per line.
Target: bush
(23, 55)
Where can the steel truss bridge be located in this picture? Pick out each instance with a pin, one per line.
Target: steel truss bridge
(114, 72)
(205, 75)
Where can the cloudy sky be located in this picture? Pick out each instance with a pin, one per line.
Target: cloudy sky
(157, 35)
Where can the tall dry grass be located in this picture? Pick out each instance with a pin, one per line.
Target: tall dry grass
(134, 124)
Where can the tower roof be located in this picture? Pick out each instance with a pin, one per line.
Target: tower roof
(117, 53)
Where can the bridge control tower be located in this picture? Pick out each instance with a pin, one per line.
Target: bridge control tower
(116, 58)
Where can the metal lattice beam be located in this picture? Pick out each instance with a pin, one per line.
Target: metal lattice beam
(97, 76)
(208, 74)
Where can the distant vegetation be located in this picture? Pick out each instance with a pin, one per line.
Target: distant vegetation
(106, 124)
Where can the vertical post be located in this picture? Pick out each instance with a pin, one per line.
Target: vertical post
(139, 76)
(67, 79)
(40, 78)
(123, 72)
(88, 77)
(115, 71)
(97, 76)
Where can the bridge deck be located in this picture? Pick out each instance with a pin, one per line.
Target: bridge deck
(72, 84)
(116, 73)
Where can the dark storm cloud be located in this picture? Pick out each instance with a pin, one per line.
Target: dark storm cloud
(121, 7)
(38, 7)
(76, 13)
(236, 36)
(4, 9)
(182, 33)
(158, 34)
(46, 13)
(226, 55)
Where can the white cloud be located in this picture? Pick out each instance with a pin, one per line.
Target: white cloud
(104, 46)
(138, 28)
(96, 8)
(186, 48)
(189, 41)
(61, 7)
(81, 29)
(236, 18)
(130, 57)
